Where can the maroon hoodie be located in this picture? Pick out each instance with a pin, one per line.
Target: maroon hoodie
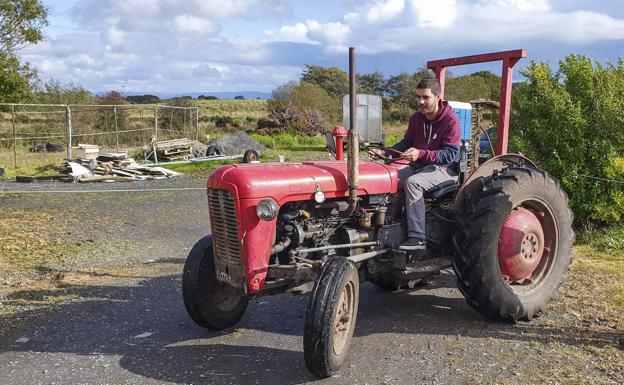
(438, 140)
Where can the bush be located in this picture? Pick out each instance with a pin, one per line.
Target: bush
(143, 99)
(53, 92)
(304, 105)
(222, 121)
(570, 121)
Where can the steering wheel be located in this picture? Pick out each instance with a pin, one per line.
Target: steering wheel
(386, 159)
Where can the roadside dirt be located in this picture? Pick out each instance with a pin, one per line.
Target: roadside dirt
(92, 296)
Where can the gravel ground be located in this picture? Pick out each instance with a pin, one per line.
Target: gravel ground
(116, 316)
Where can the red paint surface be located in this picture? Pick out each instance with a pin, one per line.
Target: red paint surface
(520, 245)
(287, 182)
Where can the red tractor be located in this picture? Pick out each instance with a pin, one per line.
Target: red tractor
(506, 230)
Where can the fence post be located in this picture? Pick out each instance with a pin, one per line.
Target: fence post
(170, 121)
(156, 122)
(68, 118)
(14, 137)
(197, 123)
(116, 130)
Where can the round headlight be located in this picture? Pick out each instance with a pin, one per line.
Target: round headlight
(267, 209)
(319, 197)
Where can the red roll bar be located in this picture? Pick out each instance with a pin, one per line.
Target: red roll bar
(509, 58)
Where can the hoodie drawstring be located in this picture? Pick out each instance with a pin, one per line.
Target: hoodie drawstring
(425, 126)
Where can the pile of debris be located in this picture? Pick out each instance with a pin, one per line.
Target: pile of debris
(111, 167)
(115, 166)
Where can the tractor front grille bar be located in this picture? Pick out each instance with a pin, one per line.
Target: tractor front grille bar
(224, 225)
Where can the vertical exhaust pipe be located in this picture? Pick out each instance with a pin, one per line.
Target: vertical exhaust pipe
(352, 139)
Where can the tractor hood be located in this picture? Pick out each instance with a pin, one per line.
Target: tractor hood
(296, 181)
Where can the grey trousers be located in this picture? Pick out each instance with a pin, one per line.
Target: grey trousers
(415, 183)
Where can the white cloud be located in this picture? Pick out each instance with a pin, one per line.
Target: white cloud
(297, 33)
(522, 5)
(330, 33)
(437, 14)
(382, 11)
(206, 71)
(187, 24)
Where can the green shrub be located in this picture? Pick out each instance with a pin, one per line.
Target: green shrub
(570, 121)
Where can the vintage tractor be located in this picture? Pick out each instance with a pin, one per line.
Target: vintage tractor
(506, 230)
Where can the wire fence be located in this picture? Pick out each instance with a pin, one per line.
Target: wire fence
(27, 129)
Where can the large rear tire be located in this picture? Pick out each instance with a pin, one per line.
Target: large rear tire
(484, 240)
(331, 316)
(210, 303)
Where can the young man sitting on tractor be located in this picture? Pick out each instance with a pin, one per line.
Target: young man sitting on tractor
(431, 143)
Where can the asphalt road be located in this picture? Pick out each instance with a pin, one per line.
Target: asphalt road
(136, 331)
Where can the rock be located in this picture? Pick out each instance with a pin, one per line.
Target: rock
(234, 144)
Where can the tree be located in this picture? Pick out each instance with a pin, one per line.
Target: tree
(53, 92)
(112, 98)
(21, 23)
(239, 97)
(284, 91)
(467, 88)
(372, 83)
(143, 99)
(493, 81)
(333, 80)
(570, 121)
(16, 80)
(401, 88)
(304, 105)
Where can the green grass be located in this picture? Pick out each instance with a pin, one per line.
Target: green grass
(609, 238)
(29, 163)
(601, 252)
(289, 140)
(235, 108)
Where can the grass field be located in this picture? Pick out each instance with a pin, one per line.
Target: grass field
(255, 108)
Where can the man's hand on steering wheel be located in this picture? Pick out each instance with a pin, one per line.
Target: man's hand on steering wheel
(379, 153)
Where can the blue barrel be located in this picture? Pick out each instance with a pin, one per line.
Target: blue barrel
(464, 113)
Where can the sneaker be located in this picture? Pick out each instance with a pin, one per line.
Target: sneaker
(413, 243)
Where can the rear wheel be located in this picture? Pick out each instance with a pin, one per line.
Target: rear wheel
(210, 303)
(331, 316)
(514, 243)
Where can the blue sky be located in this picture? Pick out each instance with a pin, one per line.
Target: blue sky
(256, 45)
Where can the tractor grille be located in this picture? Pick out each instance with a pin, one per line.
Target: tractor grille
(224, 225)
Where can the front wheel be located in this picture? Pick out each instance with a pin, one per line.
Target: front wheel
(331, 316)
(210, 303)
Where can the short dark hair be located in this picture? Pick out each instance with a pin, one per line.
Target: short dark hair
(431, 83)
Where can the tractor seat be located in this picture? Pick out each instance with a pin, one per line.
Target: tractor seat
(445, 188)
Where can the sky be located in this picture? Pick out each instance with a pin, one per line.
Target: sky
(157, 46)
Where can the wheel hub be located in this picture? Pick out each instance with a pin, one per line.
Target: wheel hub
(343, 318)
(520, 246)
